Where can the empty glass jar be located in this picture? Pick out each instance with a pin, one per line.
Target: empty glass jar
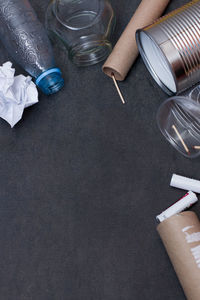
(179, 120)
(84, 26)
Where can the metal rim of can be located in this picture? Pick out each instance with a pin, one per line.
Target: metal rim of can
(148, 63)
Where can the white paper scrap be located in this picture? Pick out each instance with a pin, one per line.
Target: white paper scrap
(16, 93)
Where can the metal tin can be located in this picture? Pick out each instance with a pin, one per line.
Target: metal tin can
(170, 48)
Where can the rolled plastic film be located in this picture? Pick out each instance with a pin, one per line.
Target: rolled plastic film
(125, 51)
(181, 237)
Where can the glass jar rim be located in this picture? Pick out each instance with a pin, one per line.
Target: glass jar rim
(55, 8)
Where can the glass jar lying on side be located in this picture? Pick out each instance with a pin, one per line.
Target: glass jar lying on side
(179, 120)
(84, 27)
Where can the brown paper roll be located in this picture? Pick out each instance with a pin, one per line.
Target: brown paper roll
(181, 237)
(125, 51)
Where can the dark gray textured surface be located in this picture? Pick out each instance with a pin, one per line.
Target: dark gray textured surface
(82, 179)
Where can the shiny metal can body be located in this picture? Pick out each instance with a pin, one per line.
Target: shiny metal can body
(170, 48)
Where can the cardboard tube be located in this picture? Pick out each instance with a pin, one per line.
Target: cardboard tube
(125, 51)
(181, 237)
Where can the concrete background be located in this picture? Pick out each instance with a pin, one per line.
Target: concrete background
(82, 178)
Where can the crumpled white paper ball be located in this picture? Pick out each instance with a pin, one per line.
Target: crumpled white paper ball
(16, 93)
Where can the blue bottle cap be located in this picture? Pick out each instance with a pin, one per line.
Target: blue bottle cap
(50, 81)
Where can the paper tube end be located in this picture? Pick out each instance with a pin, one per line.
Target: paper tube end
(110, 71)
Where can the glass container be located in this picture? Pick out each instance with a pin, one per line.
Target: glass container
(84, 27)
(178, 119)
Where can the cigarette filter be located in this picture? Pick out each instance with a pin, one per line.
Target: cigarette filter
(125, 51)
(185, 183)
(185, 202)
(181, 237)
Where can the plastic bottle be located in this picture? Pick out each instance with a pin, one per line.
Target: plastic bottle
(25, 38)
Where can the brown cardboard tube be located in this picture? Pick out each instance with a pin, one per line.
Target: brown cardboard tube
(181, 237)
(125, 51)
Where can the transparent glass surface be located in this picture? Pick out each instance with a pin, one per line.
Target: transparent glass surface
(83, 26)
(179, 120)
(195, 94)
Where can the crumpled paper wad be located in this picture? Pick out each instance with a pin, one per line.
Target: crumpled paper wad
(16, 93)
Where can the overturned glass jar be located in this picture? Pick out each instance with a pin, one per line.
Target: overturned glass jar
(179, 120)
(84, 27)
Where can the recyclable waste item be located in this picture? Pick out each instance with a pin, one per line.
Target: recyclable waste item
(178, 118)
(185, 183)
(126, 51)
(25, 38)
(16, 93)
(180, 235)
(84, 27)
(170, 49)
(185, 202)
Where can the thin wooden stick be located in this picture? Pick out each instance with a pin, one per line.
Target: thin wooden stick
(118, 90)
(180, 138)
(196, 147)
